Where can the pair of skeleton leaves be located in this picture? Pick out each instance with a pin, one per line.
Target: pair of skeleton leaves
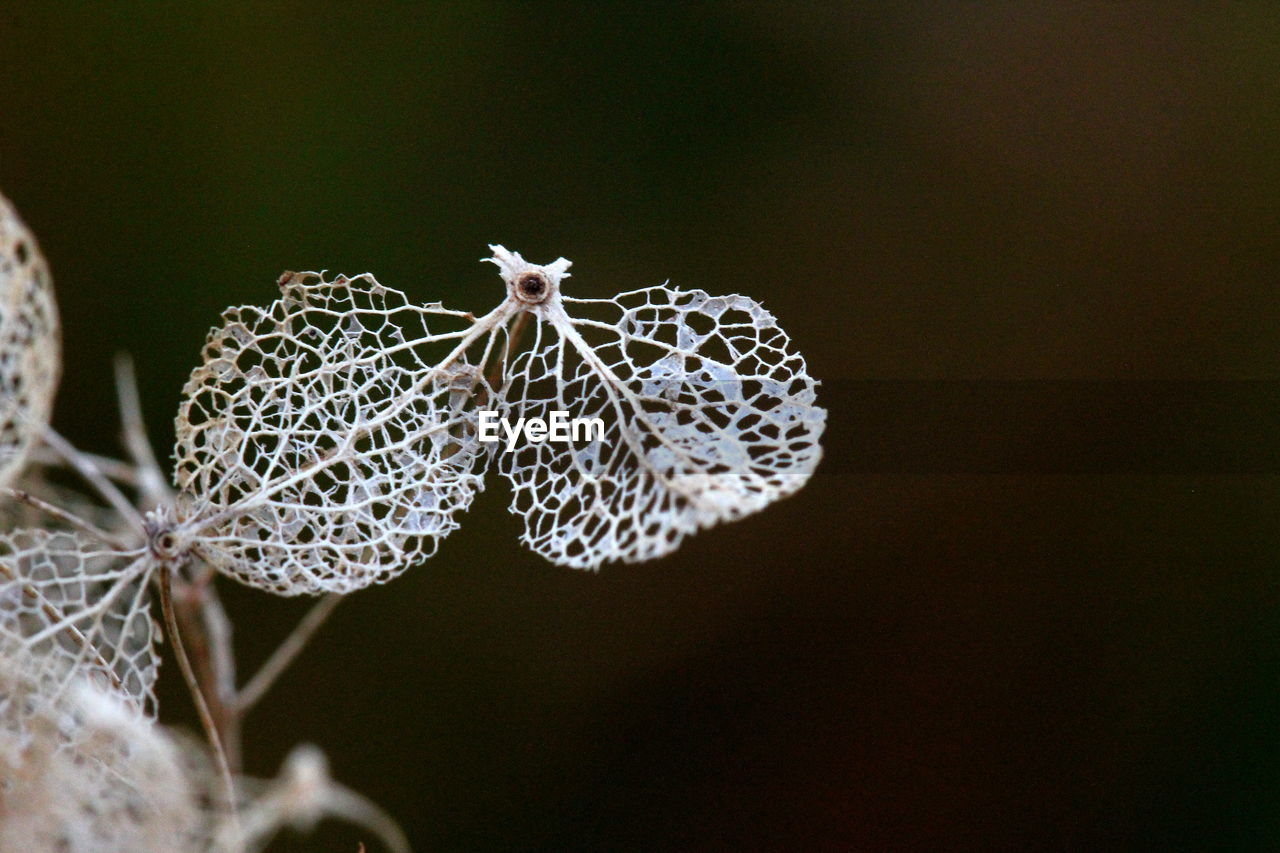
(322, 447)
(327, 441)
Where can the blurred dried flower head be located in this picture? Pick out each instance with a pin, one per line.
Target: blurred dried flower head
(30, 352)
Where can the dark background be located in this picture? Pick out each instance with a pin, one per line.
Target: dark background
(935, 657)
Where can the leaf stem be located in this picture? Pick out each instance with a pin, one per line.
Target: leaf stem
(197, 697)
(285, 653)
(151, 480)
(66, 516)
(89, 471)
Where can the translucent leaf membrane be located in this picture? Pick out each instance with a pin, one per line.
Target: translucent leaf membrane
(30, 355)
(708, 414)
(319, 448)
(82, 771)
(78, 609)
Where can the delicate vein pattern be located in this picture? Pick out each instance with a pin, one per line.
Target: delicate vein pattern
(29, 342)
(77, 609)
(709, 416)
(82, 771)
(325, 443)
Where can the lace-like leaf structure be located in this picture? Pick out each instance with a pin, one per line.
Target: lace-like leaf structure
(76, 608)
(30, 356)
(327, 441)
(708, 409)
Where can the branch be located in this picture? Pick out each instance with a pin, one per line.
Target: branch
(197, 697)
(87, 469)
(155, 488)
(286, 652)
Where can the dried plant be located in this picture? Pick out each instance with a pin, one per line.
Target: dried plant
(30, 353)
(709, 415)
(83, 771)
(327, 442)
(320, 446)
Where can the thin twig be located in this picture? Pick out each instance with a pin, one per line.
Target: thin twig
(362, 811)
(222, 664)
(286, 652)
(197, 697)
(121, 472)
(207, 635)
(513, 341)
(304, 792)
(66, 516)
(154, 486)
(85, 468)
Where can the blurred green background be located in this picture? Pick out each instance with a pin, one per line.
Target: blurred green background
(917, 190)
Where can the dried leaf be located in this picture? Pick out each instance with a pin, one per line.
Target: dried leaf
(327, 441)
(30, 355)
(78, 608)
(708, 410)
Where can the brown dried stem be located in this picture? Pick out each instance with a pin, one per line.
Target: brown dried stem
(197, 695)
